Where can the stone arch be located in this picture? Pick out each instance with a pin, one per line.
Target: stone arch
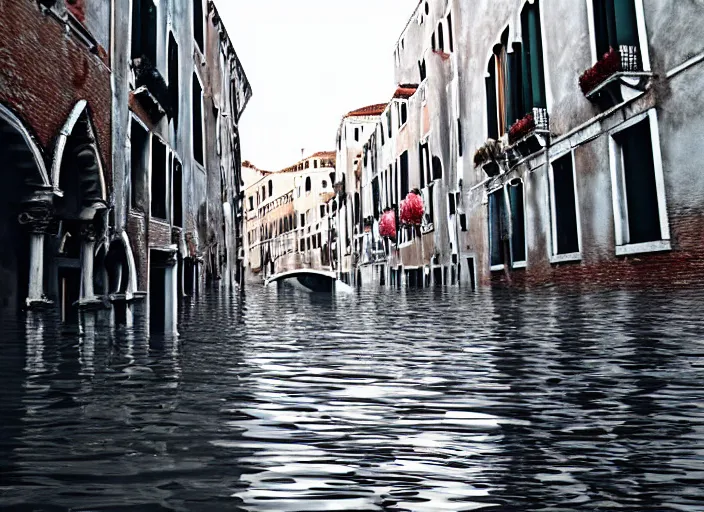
(77, 169)
(26, 208)
(120, 267)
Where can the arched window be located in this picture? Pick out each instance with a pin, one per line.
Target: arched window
(271, 188)
(308, 184)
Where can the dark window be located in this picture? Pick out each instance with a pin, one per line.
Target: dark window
(356, 134)
(198, 22)
(158, 188)
(376, 197)
(322, 211)
(324, 184)
(197, 117)
(357, 205)
(404, 113)
(449, 31)
(303, 246)
(491, 107)
(431, 205)
(441, 38)
(139, 139)
(404, 175)
(531, 65)
(173, 78)
(437, 168)
(615, 24)
(565, 206)
(421, 69)
(303, 219)
(381, 130)
(518, 238)
(178, 193)
(251, 203)
(498, 227)
(315, 164)
(451, 202)
(432, 41)
(320, 240)
(640, 190)
(308, 184)
(144, 30)
(459, 136)
(388, 123)
(463, 222)
(271, 188)
(307, 165)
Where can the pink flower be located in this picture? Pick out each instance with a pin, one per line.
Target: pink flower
(387, 224)
(412, 210)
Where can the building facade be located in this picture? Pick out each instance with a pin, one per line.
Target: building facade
(550, 142)
(288, 226)
(150, 205)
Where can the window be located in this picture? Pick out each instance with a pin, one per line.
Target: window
(198, 22)
(565, 236)
(615, 25)
(432, 42)
(404, 113)
(271, 188)
(322, 211)
(491, 100)
(404, 175)
(640, 213)
(431, 205)
(451, 203)
(463, 222)
(251, 203)
(320, 240)
(376, 198)
(197, 120)
(518, 223)
(178, 193)
(158, 182)
(302, 246)
(356, 134)
(530, 68)
(303, 219)
(441, 37)
(421, 69)
(324, 184)
(315, 164)
(357, 208)
(388, 123)
(308, 185)
(263, 193)
(459, 136)
(498, 228)
(437, 168)
(173, 78)
(424, 164)
(139, 152)
(144, 30)
(449, 31)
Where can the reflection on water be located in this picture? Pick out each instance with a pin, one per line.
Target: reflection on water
(394, 400)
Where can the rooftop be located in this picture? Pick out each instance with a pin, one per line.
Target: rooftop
(371, 110)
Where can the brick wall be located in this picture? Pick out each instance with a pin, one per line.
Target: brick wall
(44, 73)
(137, 232)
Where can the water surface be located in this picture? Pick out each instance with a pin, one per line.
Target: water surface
(379, 400)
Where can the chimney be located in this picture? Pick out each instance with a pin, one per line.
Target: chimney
(303, 153)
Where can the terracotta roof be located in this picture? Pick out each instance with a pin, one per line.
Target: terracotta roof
(405, 91)
(371, 110)
(324, 154)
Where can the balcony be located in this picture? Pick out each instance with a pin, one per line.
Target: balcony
(616, 78)
(530, 134)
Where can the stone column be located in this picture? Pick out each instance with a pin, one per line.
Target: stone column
(36, 217)
(88, 237)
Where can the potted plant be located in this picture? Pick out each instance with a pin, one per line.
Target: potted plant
(486, 157)
(387, 224)
(591, 82)
(412, 209)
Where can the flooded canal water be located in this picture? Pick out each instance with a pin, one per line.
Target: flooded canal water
(390, 401)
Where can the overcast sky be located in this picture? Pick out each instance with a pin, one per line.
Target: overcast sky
(309, 63)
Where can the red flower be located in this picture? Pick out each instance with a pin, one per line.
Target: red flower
(609, 64)
(521, 128)
(412, 210)
(387, 224)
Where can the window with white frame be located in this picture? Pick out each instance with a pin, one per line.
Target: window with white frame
(507, 235)
(640, 212)
(618, 25)
(564, 211)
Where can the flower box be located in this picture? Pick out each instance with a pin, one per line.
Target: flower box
(486, 157)
(387, 224)
(616, 77)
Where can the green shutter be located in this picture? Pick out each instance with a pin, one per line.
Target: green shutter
(535, 52)
(626, 23)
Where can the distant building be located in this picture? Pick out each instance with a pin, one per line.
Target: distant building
(287, 217)
(122, 126)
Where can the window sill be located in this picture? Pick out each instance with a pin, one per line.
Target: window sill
(646, 247)
(519, 264)
(497, 268)
(564, 258)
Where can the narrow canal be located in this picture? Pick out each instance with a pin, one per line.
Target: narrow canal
(395, 401)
